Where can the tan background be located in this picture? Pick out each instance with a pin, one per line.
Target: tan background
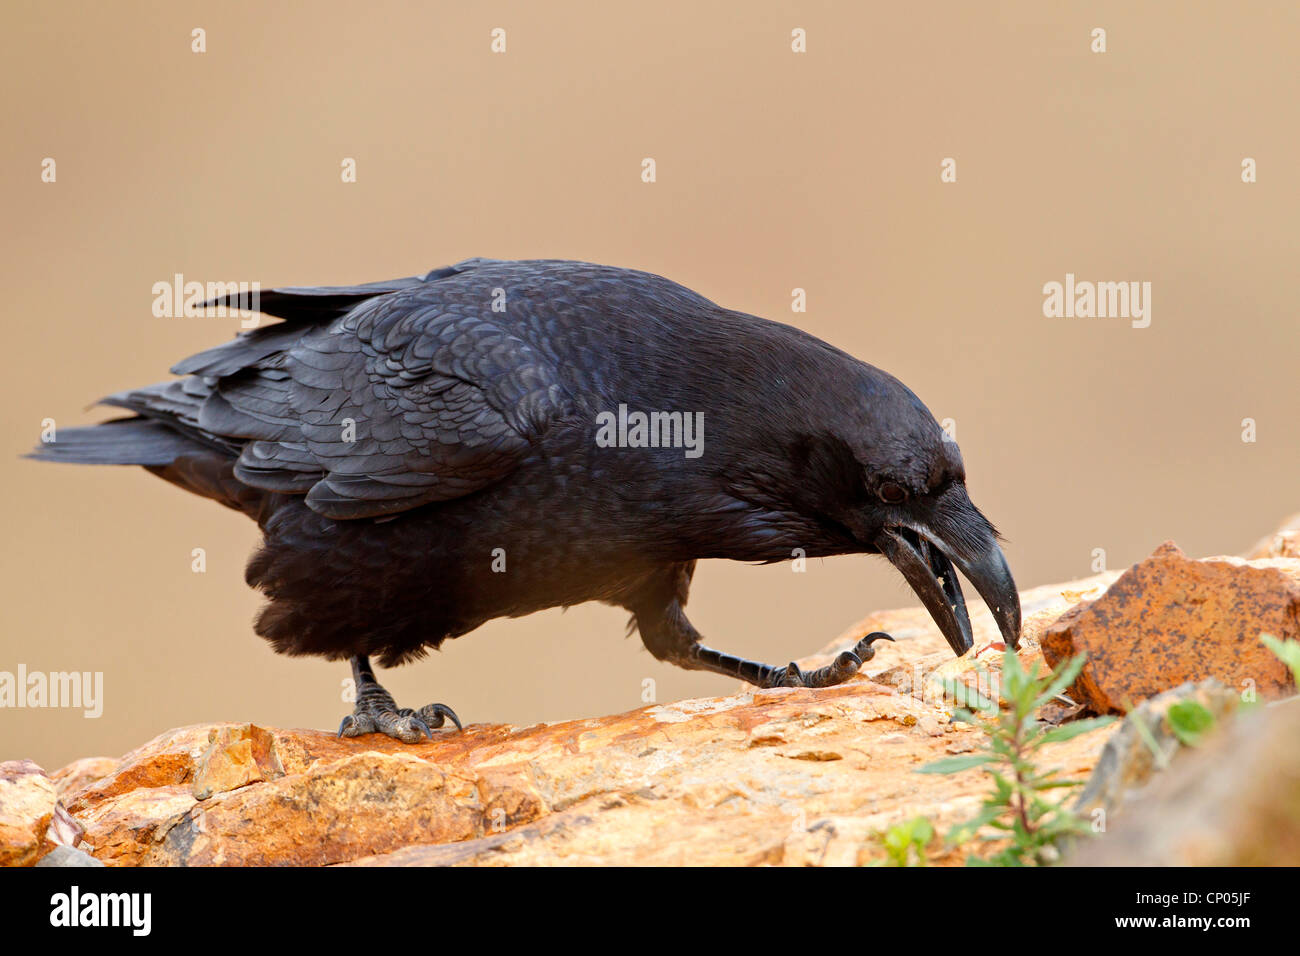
(775, 170)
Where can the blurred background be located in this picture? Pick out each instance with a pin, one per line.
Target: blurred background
(775, 170)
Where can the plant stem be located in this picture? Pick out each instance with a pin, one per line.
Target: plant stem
(1022, 811)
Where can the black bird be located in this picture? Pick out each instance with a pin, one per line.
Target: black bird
(494, 438)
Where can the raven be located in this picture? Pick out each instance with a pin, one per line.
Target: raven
(426, 454)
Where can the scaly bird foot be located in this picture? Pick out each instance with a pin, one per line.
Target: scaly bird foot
(838, 671)
(377, 712)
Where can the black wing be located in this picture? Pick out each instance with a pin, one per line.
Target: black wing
(370, 400)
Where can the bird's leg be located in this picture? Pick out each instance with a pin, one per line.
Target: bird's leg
(377, 712)
(838, 671)
(669, 636)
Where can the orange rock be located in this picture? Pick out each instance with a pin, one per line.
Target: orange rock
(748, 779)
(122, 828)
(167, 760)
(786, 776)
(27, 802)
(82, 773)
(236, 757)
(1169, 620)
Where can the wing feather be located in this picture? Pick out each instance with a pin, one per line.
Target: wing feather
(370, 400)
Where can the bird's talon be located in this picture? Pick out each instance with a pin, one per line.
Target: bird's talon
(438, 714)
(864, 649)
(356, 724)
(377, 713)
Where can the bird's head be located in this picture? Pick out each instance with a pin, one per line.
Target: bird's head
(901, 492)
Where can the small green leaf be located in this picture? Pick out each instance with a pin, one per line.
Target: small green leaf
(955, 764)
(900, 839)
(1288, 652)
(965, 696)
(962, 715)
(964, 832)
(1190, 721)
(1069, 731)
(1013, 675)
(910, 831)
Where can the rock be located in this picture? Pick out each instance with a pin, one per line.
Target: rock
(167, 760)
(1145, 744)
(1234, 801)
(236, 757)
(121, 829)
(780, 776)
(1170, 620)
(64, 829)
(27, 801)
(67, 856)
(82, 773)
(784, 776)
(1282, 543)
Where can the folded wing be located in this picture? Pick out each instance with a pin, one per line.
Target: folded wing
(369, 400)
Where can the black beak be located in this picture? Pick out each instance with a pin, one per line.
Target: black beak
(926, 559)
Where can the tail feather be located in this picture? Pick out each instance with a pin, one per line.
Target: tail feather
(122, 441)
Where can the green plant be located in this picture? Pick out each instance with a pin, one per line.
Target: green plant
(1288, 652)
(1190, 720)
(903, 840)
(1018, 812)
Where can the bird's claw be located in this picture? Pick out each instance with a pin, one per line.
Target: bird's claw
(864, 649)
(434, 715)
(407, 725)
(423, 729)
(841, 669)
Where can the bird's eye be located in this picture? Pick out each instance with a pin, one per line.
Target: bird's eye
(892, 493)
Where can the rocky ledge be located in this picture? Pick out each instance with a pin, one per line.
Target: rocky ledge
(788, 776)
